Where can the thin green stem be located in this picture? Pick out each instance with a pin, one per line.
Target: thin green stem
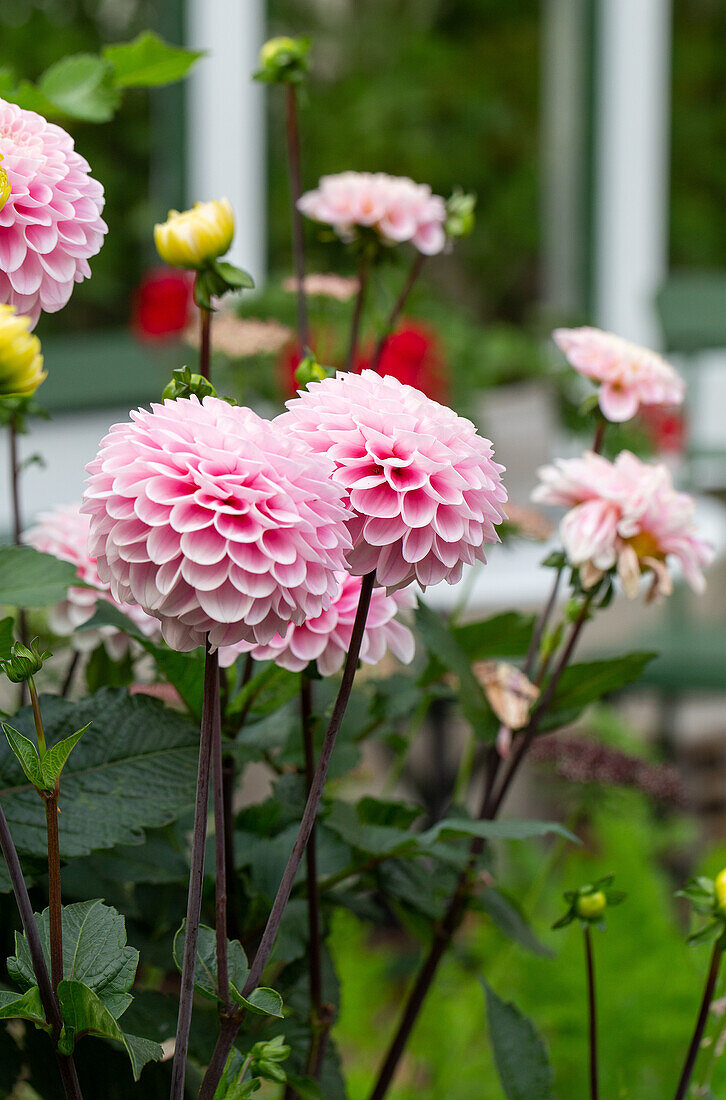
(695, 1044)
(592, 1013)
(37, 717)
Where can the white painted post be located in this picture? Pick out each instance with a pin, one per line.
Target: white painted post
(632, 165)
(225, 128)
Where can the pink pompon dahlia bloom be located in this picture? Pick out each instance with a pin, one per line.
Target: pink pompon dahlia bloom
(394, 206)
(51, 224)
(326, 638)
(629, 376)
(425, 492)
(626, 514)
(64, 534)
(216, 522)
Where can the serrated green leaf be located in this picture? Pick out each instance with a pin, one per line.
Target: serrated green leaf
(85, 1014)
(494, 830)
(27, 1006)
(520, 1055)
(510, 921)
(26, 754)
(31, 579)
(504, 635)
(56, 758)
(263, 1001)
(6, 637)
(95, 952)
(205, 968)
(234, 276)
(584, 684)
(148, 61)
(81, 86)
(134, 768)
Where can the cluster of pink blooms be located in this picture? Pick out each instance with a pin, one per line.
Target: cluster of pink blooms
(629, 376)
(326, 638)
(51, 224)
(424, 489)
(394, 206)
(624, 514)
(64, 534)
(221, 524)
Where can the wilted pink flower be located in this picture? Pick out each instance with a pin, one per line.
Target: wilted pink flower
(216, 522)
(424, 488)
(396, 207)
(326, 638)
(51, 224)
(64, 534)
(626, 514)
(629, 376)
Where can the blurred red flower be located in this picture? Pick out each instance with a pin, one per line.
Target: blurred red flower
(666, 428)
(162, 304)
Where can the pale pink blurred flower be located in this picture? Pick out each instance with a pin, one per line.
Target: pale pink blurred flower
(51, 224)
(340, 287)
(64, 534)
(326, 638)
(626, 514)
(424, 489)
(242, 337)
(629, 376)
(216, 522)
(396, 207)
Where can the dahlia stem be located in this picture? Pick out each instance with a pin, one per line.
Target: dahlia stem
(599, 436)
(228, 1034)
(17, 520)
(196, 875)
(395, 313)
(51, 1008)
(592, 1013)
(220, 834)
(706, 1000)
(205, 343)
(68, 679)
(296, 221)
(50, 799)
(363, 273)
(450, 922)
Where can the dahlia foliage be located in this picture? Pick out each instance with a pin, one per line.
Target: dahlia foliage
(254, 559)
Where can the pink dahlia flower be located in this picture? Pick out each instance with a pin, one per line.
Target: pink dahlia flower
(51, 224)
(396, 207)
(424, 489)
(625, 514)
(216, 522)
(64, 534)
(326, 638)
(629, 376)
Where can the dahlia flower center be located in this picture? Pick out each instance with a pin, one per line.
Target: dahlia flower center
(646, 546)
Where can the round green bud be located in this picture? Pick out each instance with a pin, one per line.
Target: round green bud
(284, 60)
(591, 906)
(310, 370)
(24, 661)
(460, 216)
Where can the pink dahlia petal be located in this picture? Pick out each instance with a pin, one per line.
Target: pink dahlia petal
(418, 523)
(51, 224)
(216, 521)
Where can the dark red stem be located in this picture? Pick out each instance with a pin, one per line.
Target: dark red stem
(296, 221)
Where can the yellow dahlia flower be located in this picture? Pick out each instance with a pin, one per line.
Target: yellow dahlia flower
(21, 362)
(192, 238)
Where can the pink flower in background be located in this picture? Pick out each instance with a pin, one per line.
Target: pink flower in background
(629, 376)
(396, 207)
(51, 224)
(627, 514)
(64, 534)
(216, 522)
(424, 488)
(326, 638)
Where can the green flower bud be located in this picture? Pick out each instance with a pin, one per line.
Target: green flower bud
(184, 384)
(310, 370)
(23, 662)
(284, 60)
(591, 906)
(460, 216)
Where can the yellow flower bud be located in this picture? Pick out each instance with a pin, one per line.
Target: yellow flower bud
(275, 46)
(4, 186)
(284, 60)
(194, 237)
(591, 906)
(21, 362)
(720, 890)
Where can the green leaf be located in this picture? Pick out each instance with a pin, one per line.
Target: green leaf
(520, 1055)
(494, 830)
(234, 276)
(148, 61)
(84, 1013)
(443, 645)
(26, 1007)
(6, 637)
(505, 635)
(264, 1001)
(56, 758)
(584, 684)
(510, 921)
(27, 756)
(95, 952)
(31, 579)
(81, 86)
(134, 769)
